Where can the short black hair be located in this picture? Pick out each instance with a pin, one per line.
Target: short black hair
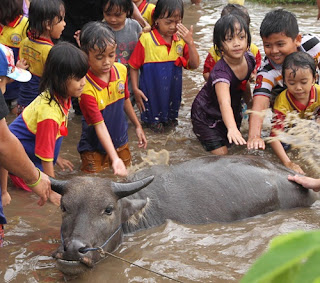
(96, 34)
(298, 60)
(124, 5)
(225, 25)
(279, 21)
(9, 10)
(236, 9)
(168, 7)
(65, 61)
(42, 11)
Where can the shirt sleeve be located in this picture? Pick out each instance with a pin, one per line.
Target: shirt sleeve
(46, 136)
(264, 85)
(90, 109)
(137, 57)
(221, 73)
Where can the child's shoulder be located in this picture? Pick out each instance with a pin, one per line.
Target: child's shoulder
(119, 66)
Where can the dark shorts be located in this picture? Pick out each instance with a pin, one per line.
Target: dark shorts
(95, 162)
(212, 145)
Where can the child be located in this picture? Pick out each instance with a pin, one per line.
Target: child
(160, 55)
(301, 95)
(146, 9)
(213, 57)
(104, 103)
(13, 26)
(216, 110)
(43, 123)
(46, 22)
(117, 14)
(280, 35)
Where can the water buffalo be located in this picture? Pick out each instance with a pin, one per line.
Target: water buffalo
(96, 212)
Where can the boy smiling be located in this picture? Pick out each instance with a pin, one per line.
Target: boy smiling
(280, 35)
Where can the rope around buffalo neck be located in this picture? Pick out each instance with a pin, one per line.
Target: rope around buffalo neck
(136, 265)
(102, 252)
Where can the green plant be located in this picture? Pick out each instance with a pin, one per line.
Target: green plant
(293, 258)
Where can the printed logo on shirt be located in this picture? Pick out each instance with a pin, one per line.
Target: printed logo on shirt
(121, 87)
(179, 49)
(258, 81)
(15, 39)
(31, 54)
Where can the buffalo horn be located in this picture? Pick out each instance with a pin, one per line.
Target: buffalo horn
(57, 185)
(126, 189)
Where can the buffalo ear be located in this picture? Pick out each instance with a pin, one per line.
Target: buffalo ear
(57, 185)
(131, 207)
(126, 189)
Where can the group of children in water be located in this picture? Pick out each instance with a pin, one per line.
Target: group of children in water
(118, 66)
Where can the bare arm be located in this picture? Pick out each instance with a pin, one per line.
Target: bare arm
(224, 99)
(260, 103)
(134, 120)
(104, 137)
(281, 153)
(48, 168)
(14, 159)
(5, 196)
(137, 16)
(138, 94)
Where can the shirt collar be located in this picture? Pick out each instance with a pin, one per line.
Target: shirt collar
(65, 105)
(159, 40)
(15, 22)
(41, 40)
(100, 84)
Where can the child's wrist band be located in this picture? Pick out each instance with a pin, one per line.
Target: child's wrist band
(36, 182)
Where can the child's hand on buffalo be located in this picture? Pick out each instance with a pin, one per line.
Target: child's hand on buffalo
(295, 167)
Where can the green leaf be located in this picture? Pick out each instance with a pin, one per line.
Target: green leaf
(284, 256)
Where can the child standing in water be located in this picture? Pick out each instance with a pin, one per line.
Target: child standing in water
(301, 96)
(160, 56)
(43, 123)
(216, 111)
(46, 22)
(117, 14)
(105, 103)
(13, 29)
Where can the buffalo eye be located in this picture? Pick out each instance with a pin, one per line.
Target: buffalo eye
(108, 210)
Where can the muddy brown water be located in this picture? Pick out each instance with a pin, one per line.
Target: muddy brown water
(207, 253)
